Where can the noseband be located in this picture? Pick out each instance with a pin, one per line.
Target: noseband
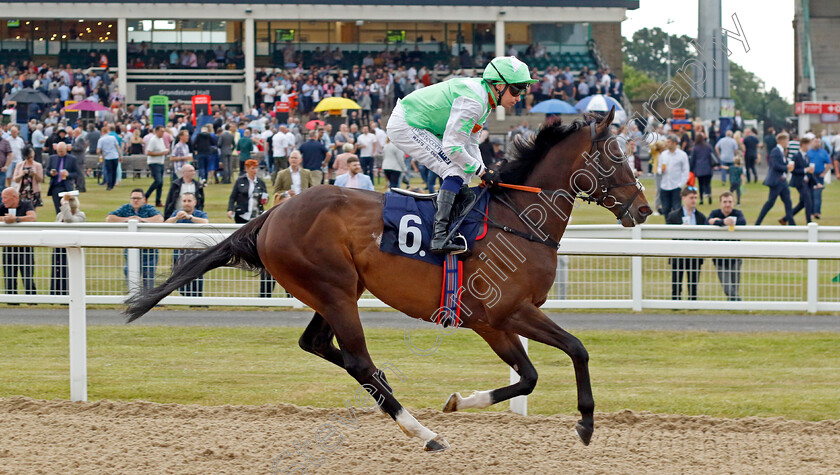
(603, 186)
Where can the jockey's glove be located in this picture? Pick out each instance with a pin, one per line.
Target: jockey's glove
(490, 177)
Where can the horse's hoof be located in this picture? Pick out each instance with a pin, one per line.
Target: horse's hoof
(452, 403)
(584, 433)
(438, 444)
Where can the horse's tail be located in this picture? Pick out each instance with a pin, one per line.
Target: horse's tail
(238, 250)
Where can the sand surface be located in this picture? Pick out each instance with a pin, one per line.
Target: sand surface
(108, 437)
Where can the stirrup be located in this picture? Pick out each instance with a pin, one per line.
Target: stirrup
(463, 247)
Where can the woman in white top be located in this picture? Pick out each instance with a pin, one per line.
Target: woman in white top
(69, 213)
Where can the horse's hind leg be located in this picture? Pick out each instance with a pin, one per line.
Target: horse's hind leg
(530, 322)
(508, 347)
(317, 339)
(358, 363)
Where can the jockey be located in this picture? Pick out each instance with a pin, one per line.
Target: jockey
(439, 126)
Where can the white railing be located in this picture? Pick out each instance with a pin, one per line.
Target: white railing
(653, 242)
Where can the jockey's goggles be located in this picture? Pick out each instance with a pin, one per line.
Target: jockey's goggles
(515, 89)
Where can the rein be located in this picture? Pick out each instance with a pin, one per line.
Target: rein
(601, 200)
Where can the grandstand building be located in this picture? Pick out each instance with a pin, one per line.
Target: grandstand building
(136, 37)
(817, 64)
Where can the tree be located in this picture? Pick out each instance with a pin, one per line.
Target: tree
(645, 68)
(647, 52)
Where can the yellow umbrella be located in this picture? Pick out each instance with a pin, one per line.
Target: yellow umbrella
(336, 103)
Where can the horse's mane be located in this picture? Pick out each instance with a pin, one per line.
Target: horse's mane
(527, 153)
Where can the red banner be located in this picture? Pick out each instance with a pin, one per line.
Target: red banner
(817, 108)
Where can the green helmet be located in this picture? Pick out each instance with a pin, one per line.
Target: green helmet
(507, 70)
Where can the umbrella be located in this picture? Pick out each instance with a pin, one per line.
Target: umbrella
(602, 103)
(85, 106)
(553, 106)
(313, 124)
(336, 103)
(28, 95)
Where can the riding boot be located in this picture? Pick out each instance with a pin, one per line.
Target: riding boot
(443, 217)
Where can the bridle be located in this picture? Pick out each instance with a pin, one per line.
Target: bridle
(605, 187)
(601, 200)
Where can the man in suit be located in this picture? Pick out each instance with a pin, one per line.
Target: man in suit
(802, 179)
(63, 171)
(292, 180)
(246, 203)
(225, 144)
(777, 168)
(687, 215)
(728, 269)
(354, 178)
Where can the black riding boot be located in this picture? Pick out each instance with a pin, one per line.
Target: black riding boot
(443, 216)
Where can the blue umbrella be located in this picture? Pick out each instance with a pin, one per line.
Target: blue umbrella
(553, 106)
(598, 103)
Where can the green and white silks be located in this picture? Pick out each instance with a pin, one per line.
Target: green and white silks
(439, 126)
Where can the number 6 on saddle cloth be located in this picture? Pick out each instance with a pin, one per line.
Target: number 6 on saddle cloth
(409, 219)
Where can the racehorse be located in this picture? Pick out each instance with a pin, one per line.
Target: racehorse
(322, 246)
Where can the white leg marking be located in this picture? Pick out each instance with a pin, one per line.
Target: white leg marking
(476, 400)
(410, 426)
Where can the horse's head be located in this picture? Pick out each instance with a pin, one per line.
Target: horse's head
(604, 175)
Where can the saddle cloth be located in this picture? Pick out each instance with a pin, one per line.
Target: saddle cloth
(408, 226)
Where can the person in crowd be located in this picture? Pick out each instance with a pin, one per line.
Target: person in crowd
(246, 202)
(63, 170)
(339, 165)
(367, 146)
(17, 259)
(354, 178)
(70, 212)
(203, 145)
(5, 159)
(674, 168)
(778, 167)
(109, 151)
(819, 159)
(181, 155)
(38, 141)
(292, 180)
(726, 148)
(280, 149)
(225, 143)
(728, 269)
(315, 157)
(801, 179)
(751, 159)
(244, 146)
(188, 214)
(687, 215)
(702, 165)
(136, 145)
(138, 209)
(393, 164)
(180, 186)
(78, 148)
(28, 176)
(736, 175)
(156, 152)
(17, 144)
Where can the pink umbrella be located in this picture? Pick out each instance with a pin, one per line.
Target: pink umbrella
(85, 106)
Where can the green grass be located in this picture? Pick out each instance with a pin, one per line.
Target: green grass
(97, 202)
(796, 376)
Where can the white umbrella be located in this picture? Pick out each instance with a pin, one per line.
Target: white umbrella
(602, 103)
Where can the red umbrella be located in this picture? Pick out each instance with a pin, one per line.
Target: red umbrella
(85, 106)
(313, 124)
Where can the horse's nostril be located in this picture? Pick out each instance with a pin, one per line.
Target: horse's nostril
(645, 211)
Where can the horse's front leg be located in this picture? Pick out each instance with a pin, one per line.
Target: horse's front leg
(509, 349)
(530, 322)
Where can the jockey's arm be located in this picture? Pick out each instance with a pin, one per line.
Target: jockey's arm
(459, 141)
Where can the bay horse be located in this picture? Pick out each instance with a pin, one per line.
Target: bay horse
(322, 246)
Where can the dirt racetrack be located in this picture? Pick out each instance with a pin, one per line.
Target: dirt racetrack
(139, 437)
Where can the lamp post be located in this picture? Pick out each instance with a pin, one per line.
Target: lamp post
(668, 46)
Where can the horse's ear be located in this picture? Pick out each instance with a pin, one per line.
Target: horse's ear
(609, 118)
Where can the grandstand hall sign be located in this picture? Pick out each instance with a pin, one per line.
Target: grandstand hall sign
(184, 92)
